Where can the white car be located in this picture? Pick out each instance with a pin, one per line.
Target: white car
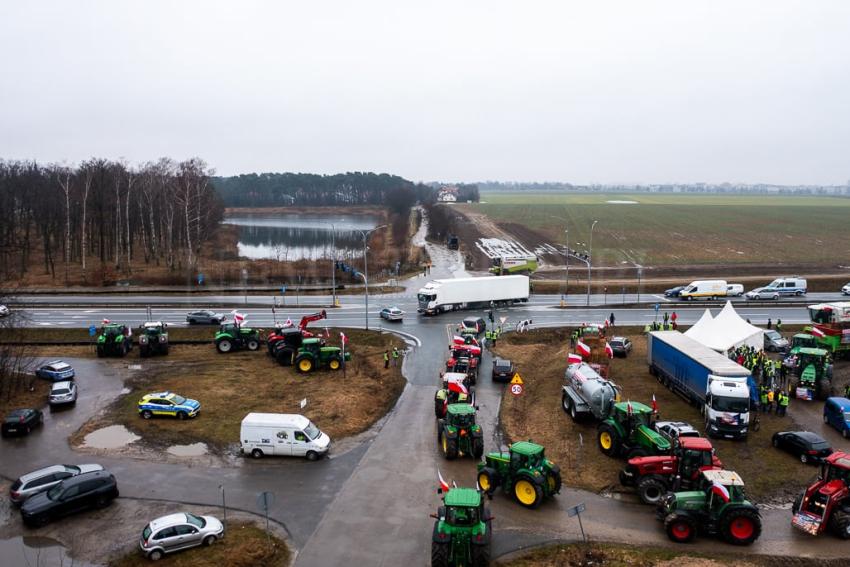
(4, 311)
(392, 314)
(845, 290)
(762, 293)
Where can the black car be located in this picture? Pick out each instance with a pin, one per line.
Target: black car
(503, 370)
(21, 421)
(621, 346)
(674, 291)
(74, 494)
(809, 447)
(204, 317)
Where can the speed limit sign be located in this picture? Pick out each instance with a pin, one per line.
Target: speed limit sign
(516, 389)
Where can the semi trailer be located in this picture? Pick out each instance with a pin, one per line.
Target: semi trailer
(471, 293)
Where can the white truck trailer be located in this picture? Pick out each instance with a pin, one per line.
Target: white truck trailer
(470, 293)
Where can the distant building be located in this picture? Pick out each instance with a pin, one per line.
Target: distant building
(447, 194)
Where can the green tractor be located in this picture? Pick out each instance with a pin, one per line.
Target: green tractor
(462, 530)
(313, 353)
(458, 435)
(628, 431)
(232, 336)
(802, 340)
(718, 508)
(153, 339)
(812, 365)
(523, 471)
(114, 340)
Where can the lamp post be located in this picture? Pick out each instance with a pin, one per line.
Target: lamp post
(365, 234)
(333, 264)
(590, 259)
(566, 255)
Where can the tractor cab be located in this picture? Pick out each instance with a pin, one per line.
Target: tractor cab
(696, 454)
(802, 340)
(523, 471)
(153, 338)
(114, 340)
(461, 534)
(460, 416)
(813, 368)
(458, 434)
(629, 430)
(454, 390)
(826, 503)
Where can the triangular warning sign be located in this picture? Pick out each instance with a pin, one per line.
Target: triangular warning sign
(517, 379)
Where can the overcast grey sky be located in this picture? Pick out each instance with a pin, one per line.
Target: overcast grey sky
(632, 91)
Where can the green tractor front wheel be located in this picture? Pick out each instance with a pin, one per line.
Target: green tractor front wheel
(680, 528)
(609, 440)
(528, 493)
(477, 447)
(741, 526)
(335, 363)
(304, 364)
(553, 482)
(488, 480)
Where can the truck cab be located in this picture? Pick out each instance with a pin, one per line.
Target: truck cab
(727, 407)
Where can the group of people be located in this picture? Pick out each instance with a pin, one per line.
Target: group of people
(770, 398)
(762, 366)
(491, 336)
(394, 357)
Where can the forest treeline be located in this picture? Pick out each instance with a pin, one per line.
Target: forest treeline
(307, 189)
(65, 219)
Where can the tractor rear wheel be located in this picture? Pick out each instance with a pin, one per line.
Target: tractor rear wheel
(440, 554)
(284, 356)
(741, 526)
(527, 492)
(839, 523)
(335, 363)
(680, 529)
(651, 489)
(224, 346)
(448, 445)
(439, 408)
(253, 344)
(488, 480)
(304, 364)
(480, 554)
(609, 440)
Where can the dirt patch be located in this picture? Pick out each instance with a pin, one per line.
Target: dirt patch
(772, 476)
(32, 394)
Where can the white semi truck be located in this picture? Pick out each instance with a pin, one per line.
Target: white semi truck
(470, 293)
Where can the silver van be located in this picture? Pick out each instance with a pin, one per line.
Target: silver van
(44, 479)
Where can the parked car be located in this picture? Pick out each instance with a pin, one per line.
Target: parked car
(21, 421)
(734, 290)
(674, 291)
(168, 404)
(44, 479)
(204, 317)
(762, 293)
(846, 289)
(4, 311)
(807, 446)
(476, 324)
(621, 346)
(503, 370)
(836, 412)
(62, 393)
(89, 490)
(774, 342)
(178, 531)
(392, 314)
(673, 430)
(56, 371)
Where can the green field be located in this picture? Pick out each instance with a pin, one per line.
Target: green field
(684, 229)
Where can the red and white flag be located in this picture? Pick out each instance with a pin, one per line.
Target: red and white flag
(238, 317)
(343, 338)
(608, 350)
(106, 321)
(607, 323)
(654, 404)
(720, 490)
(818, 333)
(629, 409)
(574, 358)
(444, 486)
(288, 323)
(458, 387)
(583, 349)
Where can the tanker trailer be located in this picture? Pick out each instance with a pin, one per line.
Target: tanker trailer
(586, 392)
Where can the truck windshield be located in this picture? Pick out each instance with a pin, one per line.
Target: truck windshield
(732, 405)
(425, 298)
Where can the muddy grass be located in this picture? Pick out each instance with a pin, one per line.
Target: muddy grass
(30, 393)
(610, 555)
(772, 476)
(230, 386)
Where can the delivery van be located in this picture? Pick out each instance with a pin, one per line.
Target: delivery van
(704, 289)
(286, 434)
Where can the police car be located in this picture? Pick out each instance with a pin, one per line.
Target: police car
(168, 404)
(55, 371)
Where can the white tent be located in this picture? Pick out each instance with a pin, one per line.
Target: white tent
(727, 330)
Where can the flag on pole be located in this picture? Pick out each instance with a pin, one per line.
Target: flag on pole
(574, 358)
(457, 387)
(818, 333)
(608, 350)
(720, 490)
(106, 321)
(583, 349)
(654, 404)
(288, 323)
(237, 317)
(444, 486)
(343, 338)
(629, 408)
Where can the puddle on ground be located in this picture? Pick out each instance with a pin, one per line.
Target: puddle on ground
(111, 437)
(193, 450)
(36, 550)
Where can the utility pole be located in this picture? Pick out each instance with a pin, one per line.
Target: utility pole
(590, 259)
(365, 234)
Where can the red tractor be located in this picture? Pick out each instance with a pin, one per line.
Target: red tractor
(680, 470)
(280, 330)
(471, 351)
(826, 503)
(464, 364)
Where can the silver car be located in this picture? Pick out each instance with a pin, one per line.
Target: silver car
(62, 393)
(44, 479)
(178, 531)
(204, 317)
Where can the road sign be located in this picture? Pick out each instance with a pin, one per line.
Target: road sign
(265, 501)
(283, 290)
(502, 320)
(575, 510)
(657, 307)
(92, 330)
(200, 279)
(516, 389)
(517, 379)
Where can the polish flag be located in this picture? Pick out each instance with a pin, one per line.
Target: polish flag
(629, 408)
(458, 340)
(444, 486)
(720, 490)
(574, 358)
(608, 350)
(818, 333)
(607, 323)
(458, 387)
(344, 338)
(106, 321)
(289, 323)
(238, 317)
(654, 404)
(583, 349)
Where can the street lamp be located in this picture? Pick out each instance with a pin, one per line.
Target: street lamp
(566, 254)
(590, 259)
(365, 234)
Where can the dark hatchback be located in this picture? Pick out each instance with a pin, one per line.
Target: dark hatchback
(807, 446)
(76, 494)
(674, 291)
(503, 370)
(21, 421)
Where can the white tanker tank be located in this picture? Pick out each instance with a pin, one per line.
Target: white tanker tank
(586, 392)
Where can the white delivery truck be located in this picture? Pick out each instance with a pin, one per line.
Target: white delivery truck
(704, 289)
(284, 434)
(470, 293)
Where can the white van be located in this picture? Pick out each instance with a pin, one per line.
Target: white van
(735, 290)
(285, 434)
(707, 289)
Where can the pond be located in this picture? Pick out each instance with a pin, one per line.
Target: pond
(291, 236)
